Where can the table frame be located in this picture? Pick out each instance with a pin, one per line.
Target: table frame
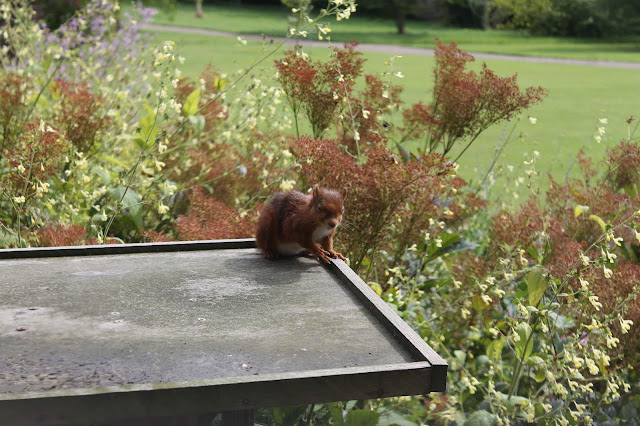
(236, 396)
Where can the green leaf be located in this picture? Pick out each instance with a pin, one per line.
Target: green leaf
(335, 409)
(536, 285)
(131, 205)
(392, 418)
(539, 368)
(148, 129)
(376, 287)
(116, 161)
(220, 83)
(460, 358)
(190, 106)
(288, 415)
(524, 345)
(515, 402)
(494, 350)
(361, 418)
(481, 418)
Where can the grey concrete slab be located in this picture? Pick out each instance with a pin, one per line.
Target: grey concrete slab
(187, 328)
(150, 318)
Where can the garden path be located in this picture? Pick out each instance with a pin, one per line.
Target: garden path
(399, 50)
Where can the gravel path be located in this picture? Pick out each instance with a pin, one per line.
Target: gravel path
(401, 50)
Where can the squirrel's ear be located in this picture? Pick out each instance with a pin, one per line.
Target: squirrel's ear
(316, 191)
(344, 192)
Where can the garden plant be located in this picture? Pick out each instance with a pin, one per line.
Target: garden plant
(533, 303)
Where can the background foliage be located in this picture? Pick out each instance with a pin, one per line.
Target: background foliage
(533, 304)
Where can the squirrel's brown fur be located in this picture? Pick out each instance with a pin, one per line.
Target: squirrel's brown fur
(292, 223)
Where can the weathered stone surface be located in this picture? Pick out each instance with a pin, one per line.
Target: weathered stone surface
(78, 322)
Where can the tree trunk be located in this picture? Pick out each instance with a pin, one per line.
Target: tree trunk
(486, 15)
(199, 13)
(401, 19)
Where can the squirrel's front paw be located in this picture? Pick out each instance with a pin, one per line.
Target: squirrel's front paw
(337, 255)
(323, 255)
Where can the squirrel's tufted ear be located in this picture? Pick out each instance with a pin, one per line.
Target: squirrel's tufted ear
(344, 192)
(316, 191)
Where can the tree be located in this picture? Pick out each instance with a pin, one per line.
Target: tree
(398, 9)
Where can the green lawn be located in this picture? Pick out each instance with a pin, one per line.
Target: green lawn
(566, 120)
(273, 21)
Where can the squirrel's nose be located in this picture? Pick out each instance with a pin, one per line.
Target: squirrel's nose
(332, 223)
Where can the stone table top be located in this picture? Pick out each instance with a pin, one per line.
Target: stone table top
(195, 316)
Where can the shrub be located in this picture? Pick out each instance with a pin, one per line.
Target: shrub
(574, 18)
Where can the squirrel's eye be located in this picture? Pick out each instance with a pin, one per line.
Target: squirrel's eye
(319, 208)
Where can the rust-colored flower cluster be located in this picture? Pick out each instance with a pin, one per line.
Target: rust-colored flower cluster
(207, 218)
(466, 103)
(81, 117)
(390, 200)
(318, 89)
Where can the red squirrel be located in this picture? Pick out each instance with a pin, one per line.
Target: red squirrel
(292, 223)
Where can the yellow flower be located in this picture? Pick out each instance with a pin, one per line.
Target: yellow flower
(607, 272)
(584, 283)
(287, 185)
(612, 342)
(19, 200)
(533, 120)
(162, 209)
(625, 325)
(594, 301)
(584, 259)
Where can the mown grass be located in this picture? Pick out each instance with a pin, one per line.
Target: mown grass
(272, 21)
(566, 121)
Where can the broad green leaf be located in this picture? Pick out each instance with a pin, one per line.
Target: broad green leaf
(335, 409)
(376, 287)
(539, 368)
(514, 402)
(116, 161)
(288, 415)
(190, 106)
(524, 345)
(131, 205)
(561, 321)
(392, 418)
(478, 304)
(460, 358)
(220, 83)
(494, 350)
(481, 418)
(600, 222)
(361, 418)
(536, 285)
(148, 128)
